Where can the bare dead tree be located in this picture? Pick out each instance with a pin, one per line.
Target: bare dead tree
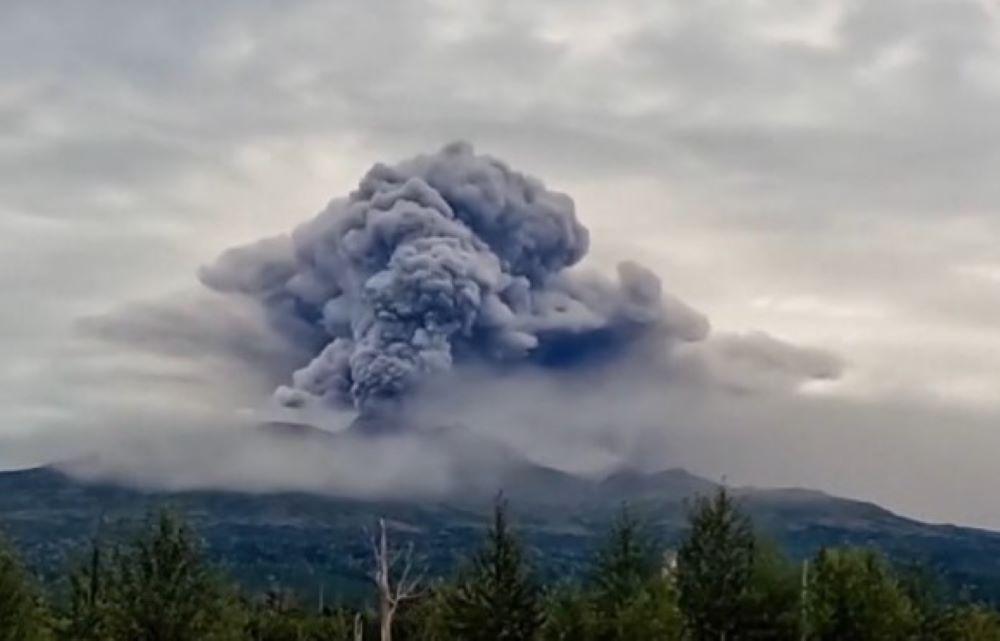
(395, 576)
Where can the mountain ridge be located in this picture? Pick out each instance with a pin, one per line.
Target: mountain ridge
(300, 539)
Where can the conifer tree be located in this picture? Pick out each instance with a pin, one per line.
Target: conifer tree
(161, 589)
(634, 595)
(714, 568)
(570, 615)
(22, 616)
(853, 595)
(630, 596)
(497, 598)
(933, 601)
(427, 618)
(626, 562)
(88, 617)
(772, 606)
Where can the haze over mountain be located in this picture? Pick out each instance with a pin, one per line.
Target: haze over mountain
(304, 541)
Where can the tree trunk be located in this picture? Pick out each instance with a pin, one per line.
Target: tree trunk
(358, 628)
(386, 605)
(385, 625)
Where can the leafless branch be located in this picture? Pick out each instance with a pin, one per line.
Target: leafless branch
(393, 576)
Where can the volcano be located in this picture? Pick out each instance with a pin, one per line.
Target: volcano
(303, 540)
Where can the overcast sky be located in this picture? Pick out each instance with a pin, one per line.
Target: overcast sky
(823, 171)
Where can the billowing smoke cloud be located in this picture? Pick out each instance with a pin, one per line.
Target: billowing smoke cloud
(449, 281)
(444, 258)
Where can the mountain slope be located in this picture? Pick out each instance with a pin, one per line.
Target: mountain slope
(303, 540)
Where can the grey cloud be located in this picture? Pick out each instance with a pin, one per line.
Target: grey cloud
(757, 361)
(201, 327)
(438, 258)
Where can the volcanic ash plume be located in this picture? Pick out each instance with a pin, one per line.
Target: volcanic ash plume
(442, 259)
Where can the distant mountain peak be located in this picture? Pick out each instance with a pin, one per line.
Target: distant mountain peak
(672, 483)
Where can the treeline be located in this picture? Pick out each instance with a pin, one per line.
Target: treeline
(723, 583)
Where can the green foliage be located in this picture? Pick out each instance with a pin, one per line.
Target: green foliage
(969, 623)
(626, 563)
(771, 607)
(715, 565)
(427, 618)
(497, 598)
(634, 598)
(651, 614)
(852, 594)
(728, 584)
(156, 589)
(279, 618)
(630, 596)
(89, 611)
(570, 615)
(934, 611)
(22, 615)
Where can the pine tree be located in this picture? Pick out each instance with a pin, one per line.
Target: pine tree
(427, 618)
(933, 601)
(634, 597)
(88, 608)
(714, 568)
(650, 615)
(626, 562)
(630, 596)
(22, 617)
(160, 589)
(497, 598)
(772, 604)
(853, 595)
(570, 615)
